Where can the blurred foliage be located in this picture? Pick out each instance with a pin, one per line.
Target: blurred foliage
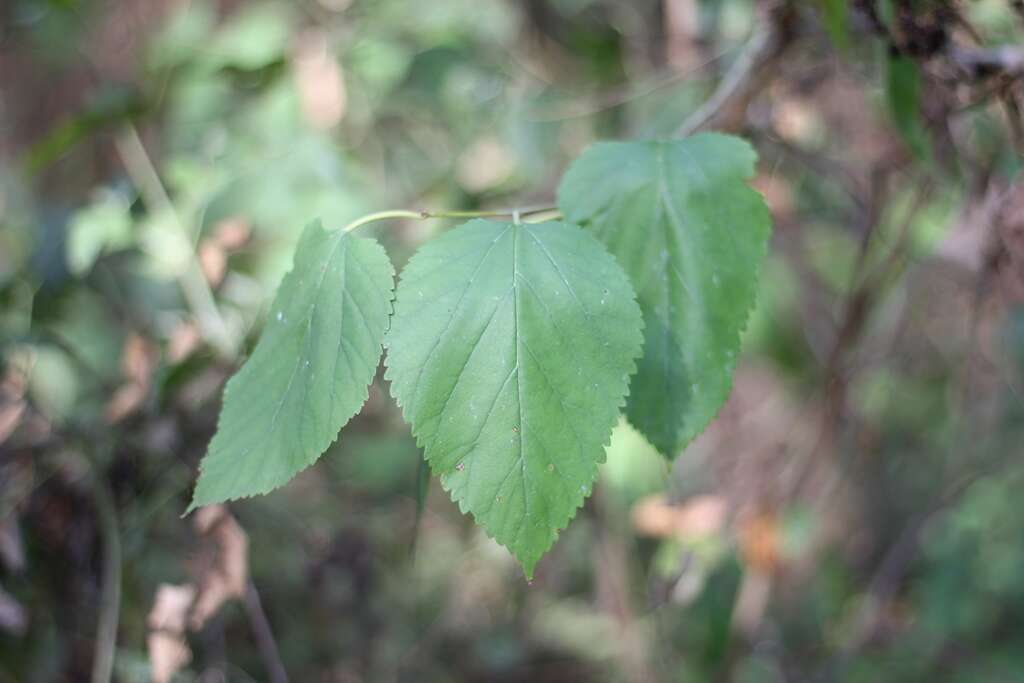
(850, 516)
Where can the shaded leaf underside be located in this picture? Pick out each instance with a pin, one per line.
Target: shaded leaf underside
(681, 219)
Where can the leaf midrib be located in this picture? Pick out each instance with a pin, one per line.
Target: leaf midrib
(417, 387)
(519, 381)
(240, 471)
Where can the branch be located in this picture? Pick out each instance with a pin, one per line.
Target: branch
(193, 283)
(110, 587)
(761, 43)
(981, 62)
(765, 43)
(264, 636)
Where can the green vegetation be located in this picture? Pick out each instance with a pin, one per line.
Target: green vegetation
(802, 309)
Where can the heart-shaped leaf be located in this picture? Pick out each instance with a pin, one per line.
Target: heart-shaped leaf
(310, 371)
(510, 353)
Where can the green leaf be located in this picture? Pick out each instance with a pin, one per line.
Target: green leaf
(310, 371)
(835, 16)
(253, 38)
(510, 354)
(105, 225)
(691, 234)
(903, 96)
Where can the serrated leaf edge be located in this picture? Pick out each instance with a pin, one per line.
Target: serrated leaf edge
(682, 439)
(579, 498)
(363, 395)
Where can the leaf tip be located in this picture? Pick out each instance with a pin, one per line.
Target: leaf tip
(192, 507)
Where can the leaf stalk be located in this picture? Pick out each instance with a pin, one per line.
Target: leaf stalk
(542, 212)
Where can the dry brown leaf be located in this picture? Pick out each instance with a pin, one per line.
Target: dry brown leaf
(682, 33)
(167, 655)
(760, 542)
(125, 401)
(696, 518)
(138, 362)
(796, 120)
(168, 650)
(222, 573)
(171, 607)
(137, 358)
(320, 81)
(212, 261)
(185, 339)
(223, 570)
(232, 233)
(777, 193)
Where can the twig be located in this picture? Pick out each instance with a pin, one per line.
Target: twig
(761, 43)
(1013, 118)
(894, 564)
(110, 588)
(980, 62)
(264, 635)
(820, 164)
(619, 96)
(193, 283)
(611, 560)
(422, 490)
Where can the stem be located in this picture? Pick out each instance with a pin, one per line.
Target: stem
(535, 211)
(110, 587)
(761, 42)
(193, 283)
(264, 636)
(541, 216)
(383, 215)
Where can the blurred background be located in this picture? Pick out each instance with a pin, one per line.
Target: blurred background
(851, 514)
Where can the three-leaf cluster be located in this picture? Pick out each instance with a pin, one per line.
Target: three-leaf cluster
(512, 347)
